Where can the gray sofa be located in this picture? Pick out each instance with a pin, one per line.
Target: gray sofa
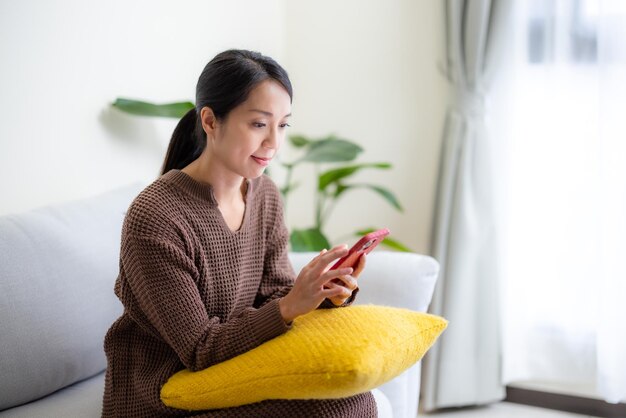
(58, 265)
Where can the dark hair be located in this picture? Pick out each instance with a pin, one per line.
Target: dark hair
(225, 83)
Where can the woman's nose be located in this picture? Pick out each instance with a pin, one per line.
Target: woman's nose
(271, 141)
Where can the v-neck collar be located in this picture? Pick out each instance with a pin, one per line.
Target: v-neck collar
(200, 190)
(204, 192)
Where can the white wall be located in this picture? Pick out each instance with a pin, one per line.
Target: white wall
(363, 70)
(368, 71)
(65, 61)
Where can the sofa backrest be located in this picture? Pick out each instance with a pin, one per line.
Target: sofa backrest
(58, 266)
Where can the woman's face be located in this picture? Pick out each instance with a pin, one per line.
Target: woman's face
(250, 136)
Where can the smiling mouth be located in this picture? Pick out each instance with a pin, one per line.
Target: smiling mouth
(262, 161)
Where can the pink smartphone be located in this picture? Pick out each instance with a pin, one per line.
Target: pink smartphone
(366, 244)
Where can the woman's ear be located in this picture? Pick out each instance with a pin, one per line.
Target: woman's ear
(209, 121)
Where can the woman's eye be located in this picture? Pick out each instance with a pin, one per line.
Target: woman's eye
(258, 125)
(284, 125)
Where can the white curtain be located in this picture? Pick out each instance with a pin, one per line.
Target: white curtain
(463, 368)
(561, 105)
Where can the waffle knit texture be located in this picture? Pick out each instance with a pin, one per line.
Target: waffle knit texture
(196, 293)
(332, 353)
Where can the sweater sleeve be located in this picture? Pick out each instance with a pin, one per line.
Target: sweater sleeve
(278, 273)
(161, 278)
(328, 304)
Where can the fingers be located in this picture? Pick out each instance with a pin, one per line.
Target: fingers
(313, 285)
(359, 267)
(324, 251)
(320, 263)
(333, 274)
(335, 290)
(334, 253)
(348, 282)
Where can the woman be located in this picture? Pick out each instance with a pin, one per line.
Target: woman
(204, 273)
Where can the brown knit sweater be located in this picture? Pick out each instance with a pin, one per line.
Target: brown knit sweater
(196, 293)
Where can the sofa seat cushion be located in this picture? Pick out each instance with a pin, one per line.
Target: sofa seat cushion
(82, 399)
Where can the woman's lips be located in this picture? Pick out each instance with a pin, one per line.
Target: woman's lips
(262, 161)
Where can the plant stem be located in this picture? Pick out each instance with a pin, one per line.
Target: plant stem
(319, 203)
(326, 213)
(287, 188)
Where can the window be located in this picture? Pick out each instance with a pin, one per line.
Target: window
(556, 108)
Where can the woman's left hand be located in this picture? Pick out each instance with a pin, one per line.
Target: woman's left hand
(347, 282)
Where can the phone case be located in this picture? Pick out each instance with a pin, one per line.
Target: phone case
(366, 244)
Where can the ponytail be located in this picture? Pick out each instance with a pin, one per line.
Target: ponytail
(186, 144)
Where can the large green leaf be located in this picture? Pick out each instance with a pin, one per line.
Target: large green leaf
(385, 193)
(388, 242)
(331, 150)
(332, 176)
(312, 239)
(395, 245)
(299, 141)
(169, 110)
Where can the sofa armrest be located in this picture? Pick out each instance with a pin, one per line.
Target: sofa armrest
(403, 280)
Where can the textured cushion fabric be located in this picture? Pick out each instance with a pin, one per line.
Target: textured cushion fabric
(57, 269)
(327, 354)
(404, 280)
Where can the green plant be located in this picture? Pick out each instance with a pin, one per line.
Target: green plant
(331, 186)
(332, 183)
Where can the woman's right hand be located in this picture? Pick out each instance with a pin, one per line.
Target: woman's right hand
(308, 291)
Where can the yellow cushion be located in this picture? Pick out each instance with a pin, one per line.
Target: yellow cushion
(328, 353)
